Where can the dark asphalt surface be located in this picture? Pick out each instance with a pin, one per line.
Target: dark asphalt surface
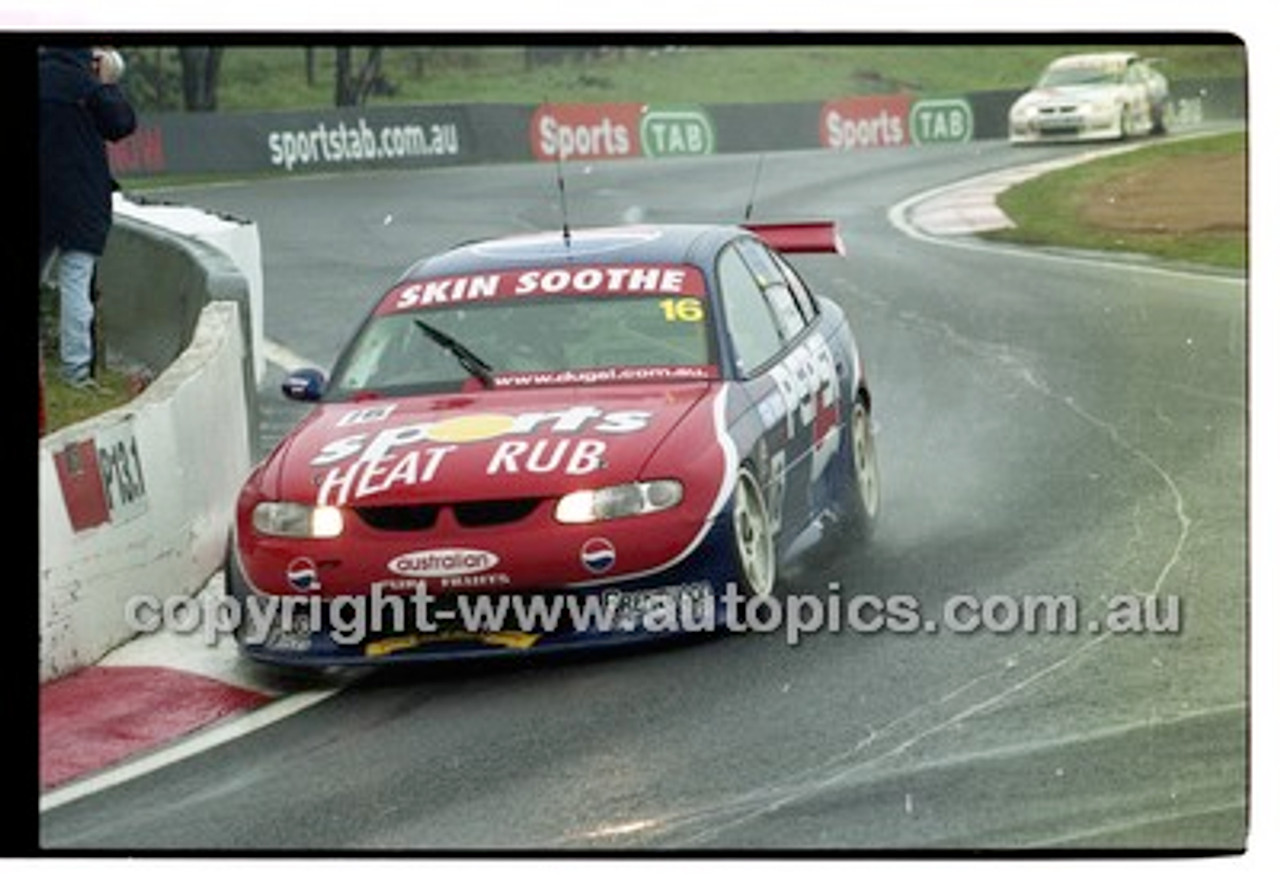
(1049, 426)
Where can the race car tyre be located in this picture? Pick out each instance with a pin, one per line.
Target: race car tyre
(233, 582)
(1158, 125)
(864, 500)
(234, 585)
(753, 551)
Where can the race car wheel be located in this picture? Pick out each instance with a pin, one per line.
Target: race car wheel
(752, 540)
(1126, 123)
(865, 497)
(1158, 125)
(234, 585)
(233, 582)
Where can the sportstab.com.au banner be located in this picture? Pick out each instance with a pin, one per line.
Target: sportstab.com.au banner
(426, 136)
(335, 143)
(322, 141)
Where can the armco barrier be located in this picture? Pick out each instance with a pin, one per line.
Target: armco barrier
(137, 501)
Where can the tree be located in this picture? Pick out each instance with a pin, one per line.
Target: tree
(352, 87)
(200, 66)
(151, 78)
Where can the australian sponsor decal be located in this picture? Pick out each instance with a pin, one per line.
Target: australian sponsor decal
(450, 562)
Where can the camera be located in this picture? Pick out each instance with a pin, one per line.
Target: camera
(108, 64)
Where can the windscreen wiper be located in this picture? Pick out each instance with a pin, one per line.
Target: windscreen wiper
(475, 366)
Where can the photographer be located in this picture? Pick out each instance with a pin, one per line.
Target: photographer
(80, 107)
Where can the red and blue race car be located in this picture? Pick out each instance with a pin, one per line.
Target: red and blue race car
(555, 441)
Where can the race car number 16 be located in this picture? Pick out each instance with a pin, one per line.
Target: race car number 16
(683, 310)
(121, 469)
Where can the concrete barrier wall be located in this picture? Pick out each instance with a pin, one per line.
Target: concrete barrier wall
(161, 266)
(138, 501)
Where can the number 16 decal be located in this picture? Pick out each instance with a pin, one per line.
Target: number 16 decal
(682, 310)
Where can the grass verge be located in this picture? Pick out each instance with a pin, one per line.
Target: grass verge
(63, 404)
(1170, 182)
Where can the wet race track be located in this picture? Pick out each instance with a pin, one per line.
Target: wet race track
(1050, 427)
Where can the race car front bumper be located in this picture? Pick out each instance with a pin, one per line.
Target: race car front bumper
(1054, 125)
(413, 625)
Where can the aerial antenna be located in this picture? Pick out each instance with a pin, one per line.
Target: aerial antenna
(564, 201)
(755, 183)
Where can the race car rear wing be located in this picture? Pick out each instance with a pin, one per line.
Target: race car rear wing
(810, 237)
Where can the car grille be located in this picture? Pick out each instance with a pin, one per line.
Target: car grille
(399, 517)
(481, 513)
(491, 513)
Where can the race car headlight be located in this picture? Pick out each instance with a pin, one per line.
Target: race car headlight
(297, 520)
(621, 501)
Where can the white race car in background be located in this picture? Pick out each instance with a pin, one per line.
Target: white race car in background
(1094, 96)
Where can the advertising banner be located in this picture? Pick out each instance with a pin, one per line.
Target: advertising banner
(324, 140)
(585, 131)
(409, 136)
(866, 122)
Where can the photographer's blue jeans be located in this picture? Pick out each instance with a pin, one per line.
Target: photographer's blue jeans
(75, 335)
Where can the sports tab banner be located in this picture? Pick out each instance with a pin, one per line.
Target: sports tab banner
(586, 131)
(866, 122)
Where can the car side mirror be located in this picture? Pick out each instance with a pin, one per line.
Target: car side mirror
(305, 385)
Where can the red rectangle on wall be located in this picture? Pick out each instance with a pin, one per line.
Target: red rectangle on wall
(81, 482)
(586, 131)
(866, 122)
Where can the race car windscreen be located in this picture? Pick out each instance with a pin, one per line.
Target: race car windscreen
(534, 341)
(1081, 75)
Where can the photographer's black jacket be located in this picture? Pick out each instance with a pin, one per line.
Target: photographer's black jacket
(77, 113)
